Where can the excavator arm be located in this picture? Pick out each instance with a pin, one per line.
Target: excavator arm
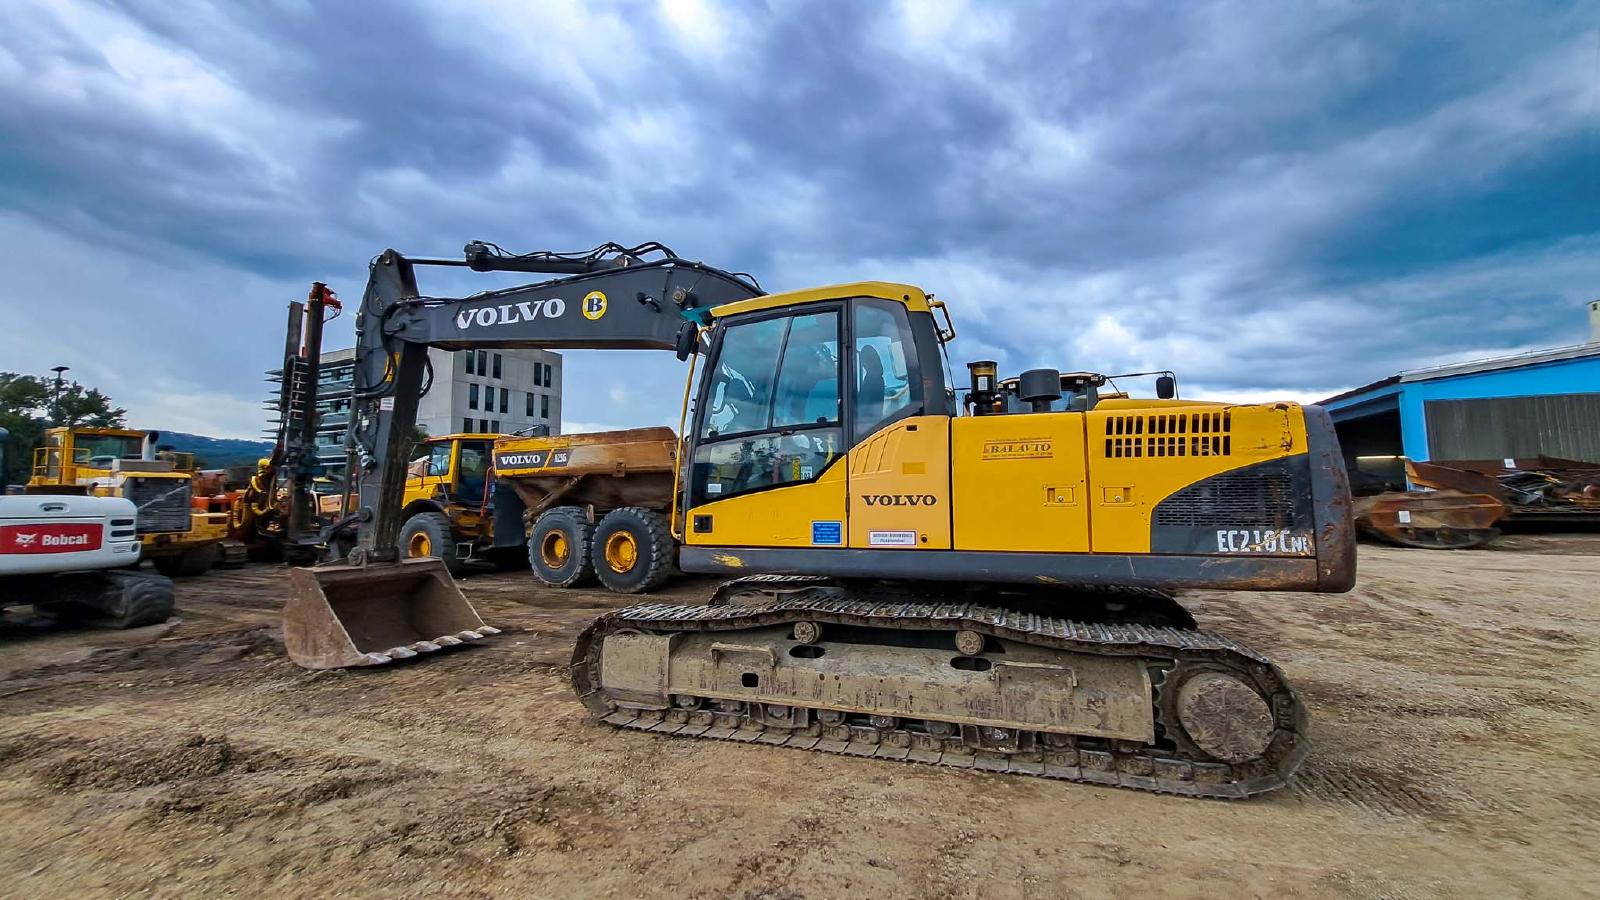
(611, 297)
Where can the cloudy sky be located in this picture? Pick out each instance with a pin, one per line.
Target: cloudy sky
(1273, 199)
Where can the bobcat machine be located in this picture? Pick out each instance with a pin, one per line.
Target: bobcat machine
(67, 555)
(983, 588)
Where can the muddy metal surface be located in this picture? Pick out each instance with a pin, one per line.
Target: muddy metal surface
(1455, 697)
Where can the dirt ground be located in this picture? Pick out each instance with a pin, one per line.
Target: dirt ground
(1456, 698)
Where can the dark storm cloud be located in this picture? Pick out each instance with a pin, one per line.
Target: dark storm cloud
(1269, 197)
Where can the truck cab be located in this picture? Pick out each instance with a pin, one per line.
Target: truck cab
(446, 501)
(455, 470)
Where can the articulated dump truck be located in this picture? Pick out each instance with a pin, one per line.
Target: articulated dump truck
(983, 584)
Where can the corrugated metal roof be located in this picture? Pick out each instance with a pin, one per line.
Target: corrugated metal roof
(1476, 366)
(1516, 361)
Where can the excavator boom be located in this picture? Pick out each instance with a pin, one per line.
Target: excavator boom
(365, 612)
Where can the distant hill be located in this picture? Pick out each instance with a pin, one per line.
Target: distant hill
(217, 453)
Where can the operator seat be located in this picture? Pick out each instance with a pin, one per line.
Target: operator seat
(870, 393)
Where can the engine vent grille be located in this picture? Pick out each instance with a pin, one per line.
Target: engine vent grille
(163, 503)
(1247, 498)
(1170, 434)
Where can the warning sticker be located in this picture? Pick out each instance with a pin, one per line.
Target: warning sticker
(831, 533)
(892, 538)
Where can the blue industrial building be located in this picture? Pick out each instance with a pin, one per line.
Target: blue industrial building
(1543, 403)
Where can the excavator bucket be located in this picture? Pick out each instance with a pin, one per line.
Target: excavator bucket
(340, 616)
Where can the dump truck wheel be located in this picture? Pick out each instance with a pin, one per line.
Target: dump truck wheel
(632, 550)
(558, 547)
(428, 534)
(189, 563)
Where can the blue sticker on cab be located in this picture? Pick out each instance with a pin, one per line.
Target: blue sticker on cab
(827, 532)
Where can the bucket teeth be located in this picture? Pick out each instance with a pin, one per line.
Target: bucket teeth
(488, 630)
(340, 615)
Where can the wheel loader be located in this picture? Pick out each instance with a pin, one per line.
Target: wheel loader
(982, 584)
(120, 462)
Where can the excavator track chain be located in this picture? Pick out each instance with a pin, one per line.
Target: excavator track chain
(1223, 721)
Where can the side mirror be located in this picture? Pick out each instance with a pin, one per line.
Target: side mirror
(688, 341)
(1166, 387)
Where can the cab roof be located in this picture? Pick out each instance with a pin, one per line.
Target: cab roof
(465, 436)
(104, 432)
(912, 296)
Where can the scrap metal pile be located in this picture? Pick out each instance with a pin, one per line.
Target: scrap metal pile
(1539, 488)
(1462, 501)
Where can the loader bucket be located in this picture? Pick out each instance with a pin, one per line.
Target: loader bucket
(340, 616)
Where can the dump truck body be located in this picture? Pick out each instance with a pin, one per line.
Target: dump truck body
(605, 470)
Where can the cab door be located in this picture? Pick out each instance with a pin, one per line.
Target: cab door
(899, 457)
(767, 461)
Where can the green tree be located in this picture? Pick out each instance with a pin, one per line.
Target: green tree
(26, 411)
(90, 408)
(419, 438)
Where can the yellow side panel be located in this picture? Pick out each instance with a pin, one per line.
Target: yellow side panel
(1139, 456)
(776, 517)
(423, 487)
(1019, 483)
(900, 487)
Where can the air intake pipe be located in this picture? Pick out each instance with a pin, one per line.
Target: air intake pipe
(1039, 388)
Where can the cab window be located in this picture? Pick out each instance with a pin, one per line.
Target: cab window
(886, 385)
(772, 407)
(740, 397)
(473, 475)
(439, 460)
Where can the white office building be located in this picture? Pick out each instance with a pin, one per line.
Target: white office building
(492, 391)
(482, 391)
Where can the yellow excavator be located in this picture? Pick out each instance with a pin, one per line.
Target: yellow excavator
(980, 584)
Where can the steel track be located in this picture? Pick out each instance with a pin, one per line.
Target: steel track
(1171, 765)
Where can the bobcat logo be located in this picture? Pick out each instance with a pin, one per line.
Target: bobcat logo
(26, 540)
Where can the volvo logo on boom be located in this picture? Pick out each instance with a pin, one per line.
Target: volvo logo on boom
(899, 499)
(511, 313)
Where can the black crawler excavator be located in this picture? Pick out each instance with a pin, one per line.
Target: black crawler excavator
(979, 584)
